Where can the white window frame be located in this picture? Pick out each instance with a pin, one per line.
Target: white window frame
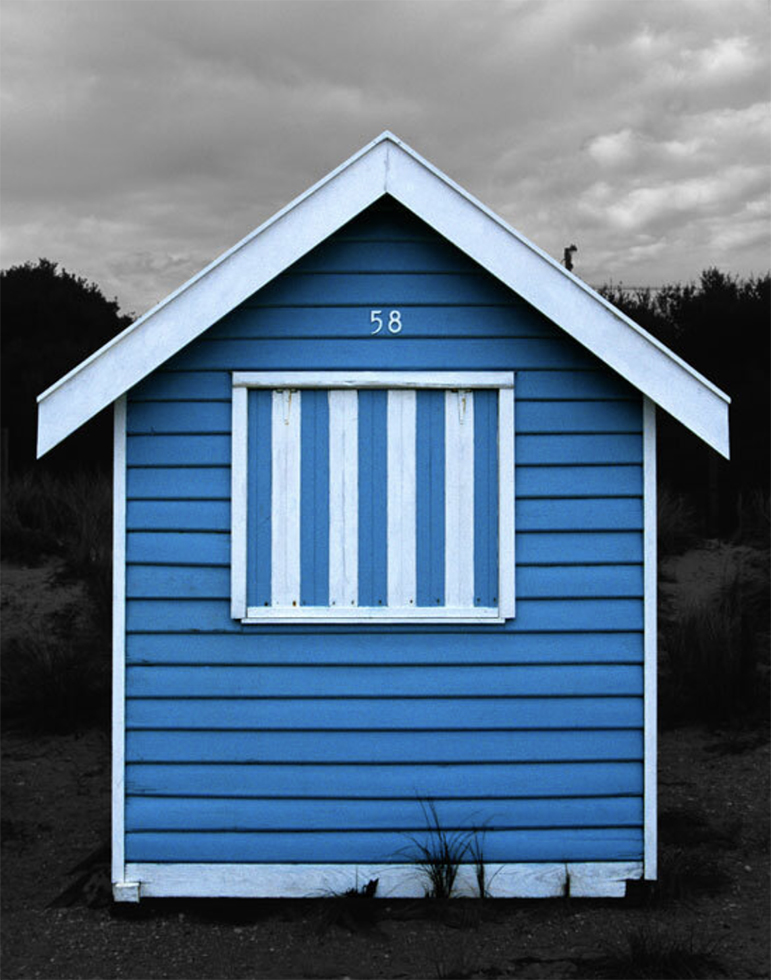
(502, 381)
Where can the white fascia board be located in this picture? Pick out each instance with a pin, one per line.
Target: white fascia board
(204, 299)
(586, 316)
(384, 166)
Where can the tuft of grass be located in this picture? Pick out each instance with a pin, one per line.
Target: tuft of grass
(684, 874)
(714, 650)
(353, 909)
(455, 960)
(476, 842)
(439, 854)
(653, 952)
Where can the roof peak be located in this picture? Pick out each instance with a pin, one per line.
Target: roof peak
(385, 166)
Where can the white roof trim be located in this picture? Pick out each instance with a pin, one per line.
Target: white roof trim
(384, 166)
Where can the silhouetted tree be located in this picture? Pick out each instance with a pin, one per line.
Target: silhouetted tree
(721, 326)
(51, 320)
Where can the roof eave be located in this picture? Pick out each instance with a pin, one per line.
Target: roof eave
(384, 166)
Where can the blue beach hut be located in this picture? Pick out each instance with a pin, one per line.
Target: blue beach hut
(384, 534)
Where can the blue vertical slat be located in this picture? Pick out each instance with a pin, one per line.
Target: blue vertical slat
(485, 498)
(258, 560)
(314, 504)
(373, 576)
(430, 497)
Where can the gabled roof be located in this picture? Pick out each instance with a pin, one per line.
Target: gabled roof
(385, 166)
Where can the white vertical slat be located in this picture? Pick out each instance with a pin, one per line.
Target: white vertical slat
(343, 498)
(285, 499)
(119, 641)
(459, 499)
(506, 492)
(238, 503)
(401, 498)
(650, 645)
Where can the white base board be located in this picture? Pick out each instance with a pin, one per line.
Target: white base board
(579, 880)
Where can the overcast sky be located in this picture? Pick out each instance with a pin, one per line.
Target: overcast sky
(142, 139)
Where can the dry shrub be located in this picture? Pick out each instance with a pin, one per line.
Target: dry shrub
(54, 685)
(59, 680)
(715, 648)
(677, 524)
(651, 951)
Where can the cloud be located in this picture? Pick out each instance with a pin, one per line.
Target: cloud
(141, 140)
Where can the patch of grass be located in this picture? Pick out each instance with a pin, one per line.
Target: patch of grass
(455, 959)
(354, 909)
(439, 853)
(653, 952)
(54, 685)
(685, 874)
(714, 652)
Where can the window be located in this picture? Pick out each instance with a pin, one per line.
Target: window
(372, 497)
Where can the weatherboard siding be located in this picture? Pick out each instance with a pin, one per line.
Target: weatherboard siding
(260, 743)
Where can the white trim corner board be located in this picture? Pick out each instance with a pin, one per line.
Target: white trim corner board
(119, 640)
(650, 612)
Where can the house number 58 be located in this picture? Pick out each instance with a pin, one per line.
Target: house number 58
(392, 325)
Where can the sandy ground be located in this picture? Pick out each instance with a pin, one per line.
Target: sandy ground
(712, 900)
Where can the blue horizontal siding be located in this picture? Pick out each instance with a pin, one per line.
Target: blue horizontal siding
(173, 547)
(379, 256)
(578, 416)
(186, 581)
(379, 223)
(178, 515)
(375, 289)
(601, 844)
(414, 781)
(533, 547)
(543, 384)
(372, 681)
(177, 813)
(531, 515)
(178, 450)
(353, 322)
(548, 706)
(383, 747)
(413, 714)
(178, 416)
(278, 646)
(579, 481)
(385, 354)
(583, 548)
(165, 482)
(615, 514)
(550, 616)
(166, 417)
(178, 386)
(560, 450)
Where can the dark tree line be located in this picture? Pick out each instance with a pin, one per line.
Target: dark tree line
(721, 325)
(51, 320)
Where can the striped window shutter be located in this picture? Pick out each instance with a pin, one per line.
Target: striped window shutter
(373, 497)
